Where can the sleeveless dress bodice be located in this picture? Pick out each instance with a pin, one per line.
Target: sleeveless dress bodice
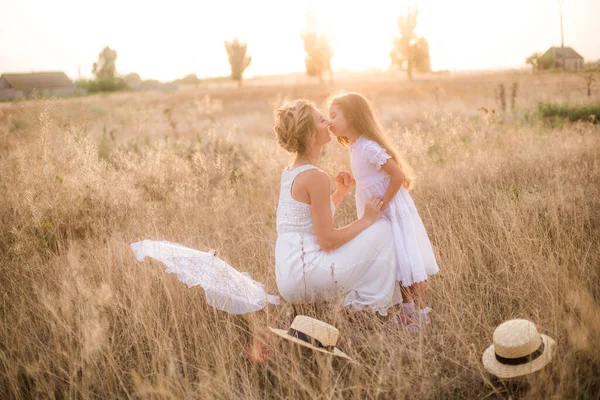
(293, 215)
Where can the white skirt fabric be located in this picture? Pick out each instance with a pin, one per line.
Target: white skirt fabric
(414, 254)
(361, 271)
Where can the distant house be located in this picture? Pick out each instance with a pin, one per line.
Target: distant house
(560, 57)
(17, 86)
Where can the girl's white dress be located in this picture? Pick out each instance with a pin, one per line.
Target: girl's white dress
(414, 255)
(362, 271)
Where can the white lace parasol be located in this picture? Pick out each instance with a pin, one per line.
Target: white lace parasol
(225, 288)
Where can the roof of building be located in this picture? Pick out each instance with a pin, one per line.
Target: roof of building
(38, 80)
(561, 52)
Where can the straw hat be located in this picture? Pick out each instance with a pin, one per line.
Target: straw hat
(314, 334)
(518, 349)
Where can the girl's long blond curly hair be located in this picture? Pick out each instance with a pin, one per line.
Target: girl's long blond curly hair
(361, 116)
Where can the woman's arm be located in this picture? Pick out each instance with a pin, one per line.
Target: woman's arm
(328, 237)
(397, 178)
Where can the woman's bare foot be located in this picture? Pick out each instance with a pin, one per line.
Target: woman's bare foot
(257, 352)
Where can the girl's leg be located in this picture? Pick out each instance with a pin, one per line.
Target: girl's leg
(414, 310)
(421, 310)
(406, 309)
(418, 294)
(407, 295)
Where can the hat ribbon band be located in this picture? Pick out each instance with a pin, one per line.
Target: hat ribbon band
(521, 360)
(309, 339)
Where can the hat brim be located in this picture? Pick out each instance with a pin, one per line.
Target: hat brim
(284, 334)
(493, 366)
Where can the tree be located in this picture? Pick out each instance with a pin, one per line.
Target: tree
(533, 60)
(190, 79)
(318, 50)
(106, 65)
(132, 80)
(238, 59)
(409, 51)
(150, 83)
(423, 61)
(106, 74)
(547, 61)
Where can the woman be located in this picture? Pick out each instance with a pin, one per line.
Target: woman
(315, 261)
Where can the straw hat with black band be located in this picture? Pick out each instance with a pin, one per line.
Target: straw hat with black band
(518, 349)
(314, 334)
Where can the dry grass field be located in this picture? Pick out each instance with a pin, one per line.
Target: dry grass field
(511, 204)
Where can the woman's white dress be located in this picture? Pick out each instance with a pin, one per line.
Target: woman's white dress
(414, 255)
(362, 271)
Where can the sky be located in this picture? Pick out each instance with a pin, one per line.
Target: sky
(168, 40)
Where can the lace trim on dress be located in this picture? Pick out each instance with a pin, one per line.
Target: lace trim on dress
(375, 154)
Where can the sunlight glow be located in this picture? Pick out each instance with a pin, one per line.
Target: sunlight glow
(168, 41)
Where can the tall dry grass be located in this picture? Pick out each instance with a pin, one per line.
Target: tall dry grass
(511, 204)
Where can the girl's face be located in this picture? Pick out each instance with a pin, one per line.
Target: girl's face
(322, 135)
(339, 125)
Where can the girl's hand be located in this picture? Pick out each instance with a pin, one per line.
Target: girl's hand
(345, 179)
(372, 209)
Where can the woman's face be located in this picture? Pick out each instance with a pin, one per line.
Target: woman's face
(338, 123)
(322, 135)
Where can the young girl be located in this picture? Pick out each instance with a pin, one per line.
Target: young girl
(378, 171)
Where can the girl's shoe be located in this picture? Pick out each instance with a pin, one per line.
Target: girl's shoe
(421, 315)
(407, 308)
(414, 321)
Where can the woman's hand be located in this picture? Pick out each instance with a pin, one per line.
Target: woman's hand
(372, 209)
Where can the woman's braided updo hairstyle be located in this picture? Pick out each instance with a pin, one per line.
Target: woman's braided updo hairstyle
(295, 126)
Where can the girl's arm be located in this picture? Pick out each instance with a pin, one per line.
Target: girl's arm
(328, 237)
(338, 196)
(344, 180)
(397, 178)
